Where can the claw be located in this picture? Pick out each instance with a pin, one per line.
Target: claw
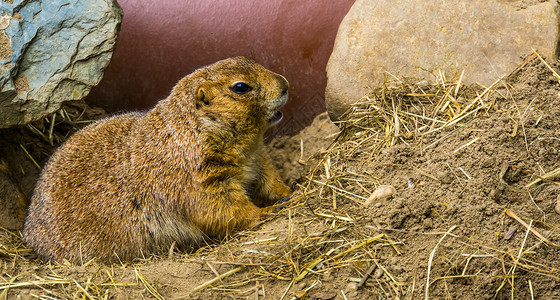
(285, 199)
(279, 208)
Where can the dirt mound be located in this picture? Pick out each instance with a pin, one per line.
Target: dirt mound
(475, 214)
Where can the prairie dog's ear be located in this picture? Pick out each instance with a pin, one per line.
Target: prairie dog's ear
(202, 95)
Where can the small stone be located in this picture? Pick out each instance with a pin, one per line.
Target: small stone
(489, 211)
(397, 269)
(383, 192)
(352, 286)
(323, 295)
(428, 223)
(445, 177)
(511, 231)
(300, 286)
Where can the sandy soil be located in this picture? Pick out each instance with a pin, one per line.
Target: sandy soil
(453, 217)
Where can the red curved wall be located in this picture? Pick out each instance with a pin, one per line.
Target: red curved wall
(161, 41)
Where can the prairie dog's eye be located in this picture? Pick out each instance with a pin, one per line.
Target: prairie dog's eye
(240, 88)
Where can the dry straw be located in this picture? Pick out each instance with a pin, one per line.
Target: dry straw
(322, 229)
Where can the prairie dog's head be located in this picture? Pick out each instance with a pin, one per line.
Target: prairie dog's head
(239, 93)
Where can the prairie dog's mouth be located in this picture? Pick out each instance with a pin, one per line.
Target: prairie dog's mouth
(276, 115)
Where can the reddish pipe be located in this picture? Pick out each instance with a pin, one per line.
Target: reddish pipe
(161, 41)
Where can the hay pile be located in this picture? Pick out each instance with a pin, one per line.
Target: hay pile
(476, 173)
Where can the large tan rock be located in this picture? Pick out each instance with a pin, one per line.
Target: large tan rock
(485, 38)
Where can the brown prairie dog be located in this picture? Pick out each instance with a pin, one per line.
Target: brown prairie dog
(194, 167)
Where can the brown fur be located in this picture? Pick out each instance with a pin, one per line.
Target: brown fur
(187, 170)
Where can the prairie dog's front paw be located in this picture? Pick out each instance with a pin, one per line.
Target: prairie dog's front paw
(270, 211)
(278, 208)
(284, 199)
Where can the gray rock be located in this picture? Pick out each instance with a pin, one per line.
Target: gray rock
(485, 38)
(52, 51)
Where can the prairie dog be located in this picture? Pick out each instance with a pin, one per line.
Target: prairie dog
(193, 167)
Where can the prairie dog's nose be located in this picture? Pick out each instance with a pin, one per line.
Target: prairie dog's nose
(284, 85)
